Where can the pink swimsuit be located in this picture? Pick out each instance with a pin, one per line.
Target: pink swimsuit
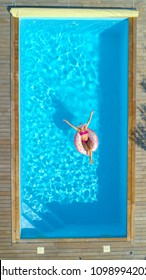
(84, 132)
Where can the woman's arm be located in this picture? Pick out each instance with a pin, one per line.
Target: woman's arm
(75, 127)
(89, 120)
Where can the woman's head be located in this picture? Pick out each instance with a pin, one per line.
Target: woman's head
(83, 127)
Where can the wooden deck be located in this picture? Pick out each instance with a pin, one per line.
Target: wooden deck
(135, 247)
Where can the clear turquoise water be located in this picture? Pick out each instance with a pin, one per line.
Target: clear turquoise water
(67, 69)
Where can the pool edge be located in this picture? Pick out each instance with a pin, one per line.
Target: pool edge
(72, 12)
(15, 137)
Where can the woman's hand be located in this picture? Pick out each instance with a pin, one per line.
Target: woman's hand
(65, 120)
(91, 114)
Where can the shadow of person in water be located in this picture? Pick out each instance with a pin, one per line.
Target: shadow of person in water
(138, 135)
(61, 112)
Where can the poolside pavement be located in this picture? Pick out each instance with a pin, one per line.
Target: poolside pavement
(72, 248)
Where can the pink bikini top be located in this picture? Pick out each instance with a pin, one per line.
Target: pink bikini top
(83, 132)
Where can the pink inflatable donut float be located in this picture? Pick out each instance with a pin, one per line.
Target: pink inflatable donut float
(78, 143)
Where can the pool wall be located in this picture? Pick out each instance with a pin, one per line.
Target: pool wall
(15, 134)
(114, 148)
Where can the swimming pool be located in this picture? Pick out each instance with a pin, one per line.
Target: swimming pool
(68, 68)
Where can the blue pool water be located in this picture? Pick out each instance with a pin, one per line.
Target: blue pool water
(67, 69)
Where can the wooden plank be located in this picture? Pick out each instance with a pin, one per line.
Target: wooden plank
(14, 125)
(131, 125)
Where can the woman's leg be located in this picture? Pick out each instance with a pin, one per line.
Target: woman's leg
(86, 148)
(89, 144)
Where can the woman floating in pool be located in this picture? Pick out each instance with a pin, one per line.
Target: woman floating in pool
(84, 135)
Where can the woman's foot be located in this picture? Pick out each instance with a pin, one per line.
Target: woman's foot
(91, 161)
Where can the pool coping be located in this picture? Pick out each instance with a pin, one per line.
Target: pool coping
(76, 13)
(15, 138)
